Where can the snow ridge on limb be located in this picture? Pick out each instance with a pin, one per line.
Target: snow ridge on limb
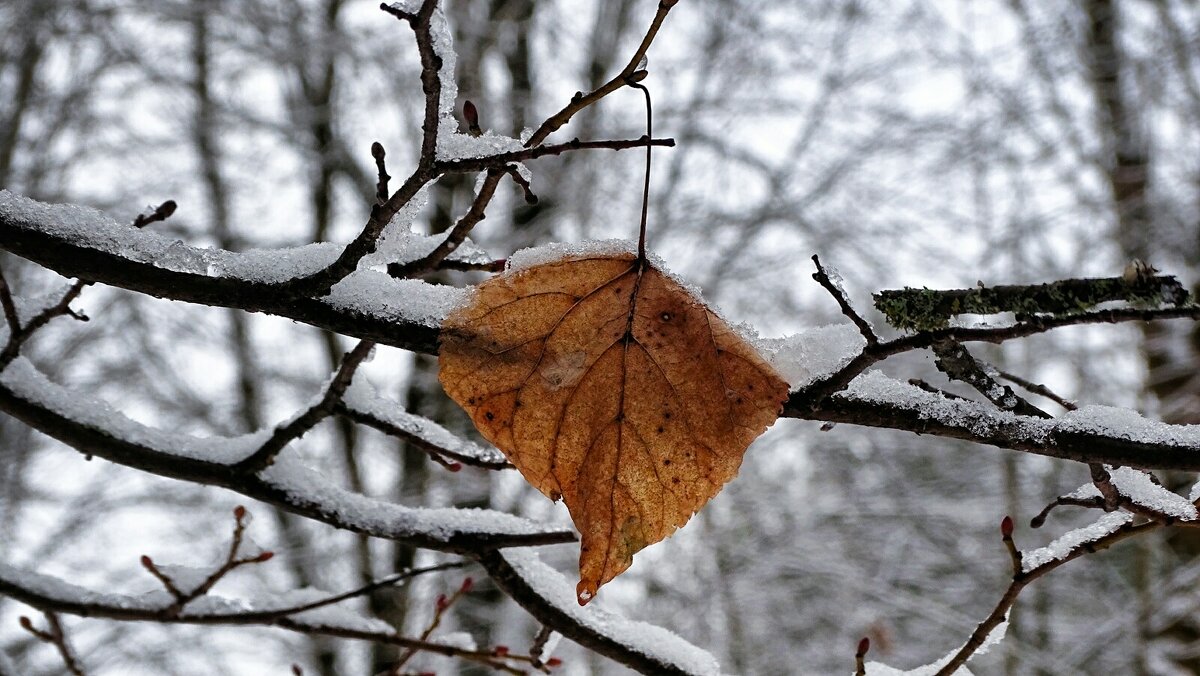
(876, 400)
(993, 638)
(81, 242)
(551, 598)
(93, 427)
(364, 405)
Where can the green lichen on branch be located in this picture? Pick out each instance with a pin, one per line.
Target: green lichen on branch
(929, 309)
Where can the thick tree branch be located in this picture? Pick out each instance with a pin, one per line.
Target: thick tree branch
(926, 309)
(28, 237)
(72, 420)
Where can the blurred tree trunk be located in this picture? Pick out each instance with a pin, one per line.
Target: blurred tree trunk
(206, 131)
(1171, 380)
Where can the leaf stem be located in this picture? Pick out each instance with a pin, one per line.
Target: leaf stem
(649, 153)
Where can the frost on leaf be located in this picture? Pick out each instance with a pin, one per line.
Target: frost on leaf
(612, 387)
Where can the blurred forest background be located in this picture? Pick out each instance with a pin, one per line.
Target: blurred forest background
(908, 142)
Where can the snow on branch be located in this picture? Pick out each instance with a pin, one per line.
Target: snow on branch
(368, 304)
(551, 598)
(305, 611)
(364, 405)
(1091, 434)
(93, 427)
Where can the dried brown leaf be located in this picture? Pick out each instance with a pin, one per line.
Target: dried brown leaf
(612, 387)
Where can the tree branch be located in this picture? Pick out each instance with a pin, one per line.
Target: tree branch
(581, 100)
(469, 165)
(1027, 575)
(299, 425)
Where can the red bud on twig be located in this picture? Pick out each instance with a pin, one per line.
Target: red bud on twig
(265, 556)
(239, 512)
(442, 602)
(467, 584)
(147, 563)
(500, 651)
(553, 662)
(864, 644)
(26, 623)
(1006, 527)
(471, 113)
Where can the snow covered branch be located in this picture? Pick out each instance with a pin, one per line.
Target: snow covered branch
(405, 313)
(305, 611)
(92, 427)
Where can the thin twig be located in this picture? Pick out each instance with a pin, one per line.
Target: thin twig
(233, 560)
(1096, 502)
(442, 604)
(633, 81)
(10, 308)
(443, 456)
(470, 165)
(839, 294)
(457, 234)
(1006, 535)
(57, 637)
(581, 100)
(18, 338)
(381, 583)
(522, 183)
(298, 426)
(538, 648)
(1024, 578)
(1039, 389)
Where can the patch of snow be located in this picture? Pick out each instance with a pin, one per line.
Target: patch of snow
(1124, 423)
(93, 229)
(647, 639)
(813, 354)
(874, 386)
(1137, 486)
(452, 145)
(26, 382)
(363, 513)
(361, 397)
(1061, 547)
(992, 639)
(57, 589)
(209, 605)
(378, 294)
